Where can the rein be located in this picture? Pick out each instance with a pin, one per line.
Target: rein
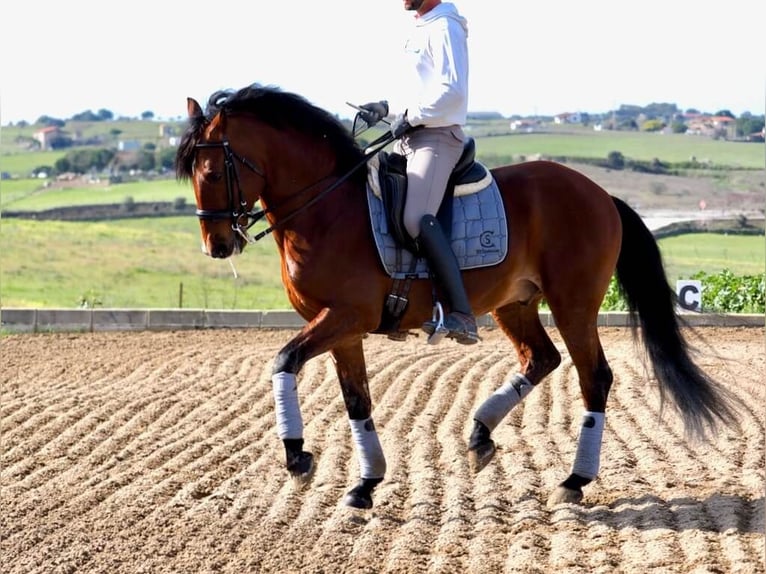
(237, 204)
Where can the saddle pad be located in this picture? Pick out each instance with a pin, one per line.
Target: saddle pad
(479, 233)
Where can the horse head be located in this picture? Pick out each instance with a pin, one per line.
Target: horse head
(257, 135)
(226, 184)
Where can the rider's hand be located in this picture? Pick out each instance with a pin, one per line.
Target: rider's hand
(399, 126)
(373, 112)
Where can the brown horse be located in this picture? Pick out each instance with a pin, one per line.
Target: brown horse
(567, 237)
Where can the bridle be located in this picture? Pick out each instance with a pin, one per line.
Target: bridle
(237, 206)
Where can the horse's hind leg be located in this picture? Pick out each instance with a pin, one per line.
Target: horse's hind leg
(352, 374)
(538, 357)
(580, 334)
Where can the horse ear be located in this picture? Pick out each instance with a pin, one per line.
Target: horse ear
(193, 108)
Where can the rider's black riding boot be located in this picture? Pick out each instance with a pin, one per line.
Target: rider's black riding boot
(435, 247)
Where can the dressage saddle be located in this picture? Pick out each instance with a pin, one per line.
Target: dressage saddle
(392, 174)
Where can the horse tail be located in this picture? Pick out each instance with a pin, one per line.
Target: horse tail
(702, 403)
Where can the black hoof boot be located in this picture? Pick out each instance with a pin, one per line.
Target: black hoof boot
(299, 463)
(481, 448)
(361, 495)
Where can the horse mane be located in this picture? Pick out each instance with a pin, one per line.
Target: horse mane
(278, 109)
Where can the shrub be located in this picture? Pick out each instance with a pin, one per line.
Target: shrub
(721, 293)
(726, 293)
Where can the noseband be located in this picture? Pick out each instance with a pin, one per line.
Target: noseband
(237, 207)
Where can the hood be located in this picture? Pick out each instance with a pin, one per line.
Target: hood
(446, 9)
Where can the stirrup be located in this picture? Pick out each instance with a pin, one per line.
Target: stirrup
(435, 327)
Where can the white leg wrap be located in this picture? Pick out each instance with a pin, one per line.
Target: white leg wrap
(500, 403)
(372, 463)
(588, 457)
(289, 421)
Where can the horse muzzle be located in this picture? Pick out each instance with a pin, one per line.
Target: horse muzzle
(221, 247)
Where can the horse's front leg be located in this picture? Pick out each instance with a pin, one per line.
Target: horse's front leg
(314, 339)
(352, 375)
(299, 463)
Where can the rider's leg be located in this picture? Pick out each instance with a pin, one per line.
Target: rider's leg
(431, 155)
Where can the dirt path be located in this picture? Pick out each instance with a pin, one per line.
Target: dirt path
(156, 452)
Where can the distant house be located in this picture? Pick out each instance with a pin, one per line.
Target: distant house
(128, 145)
(568, 118)
(523, 125)
(47, 136)
(705, 125)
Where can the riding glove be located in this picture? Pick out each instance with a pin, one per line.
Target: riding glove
(373, 112)
(400, 125)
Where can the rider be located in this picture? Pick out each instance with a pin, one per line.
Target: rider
(432, 138)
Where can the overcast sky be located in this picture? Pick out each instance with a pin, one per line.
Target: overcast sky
(537, 57)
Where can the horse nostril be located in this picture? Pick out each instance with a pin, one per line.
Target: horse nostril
(220, 251)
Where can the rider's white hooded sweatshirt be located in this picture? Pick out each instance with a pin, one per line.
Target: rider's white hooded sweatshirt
(438, 54)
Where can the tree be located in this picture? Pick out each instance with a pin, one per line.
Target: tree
(50, 122)
(725, 114)
(747, 124)
(615, 160)
(145, 161)
(166, 158)
(147, 115)
(86, 116)
(105, 115)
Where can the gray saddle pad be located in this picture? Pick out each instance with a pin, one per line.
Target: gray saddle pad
(479, 233)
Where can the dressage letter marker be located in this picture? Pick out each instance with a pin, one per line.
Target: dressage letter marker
(689, 294)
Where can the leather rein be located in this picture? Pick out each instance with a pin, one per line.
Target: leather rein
(237, 207)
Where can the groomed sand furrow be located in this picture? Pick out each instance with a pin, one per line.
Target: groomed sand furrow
(489, 491)
(341, 532)
(124, 477)
(599, 541)
(731, 515)
(417, 496)
(550, 441)
(191, 478)
(100, 483)
(391, 371)
(660, 463)
(102, 397)
(631, 421)
(428, 495)
(316, 503)
(455, 546)
(130, 507)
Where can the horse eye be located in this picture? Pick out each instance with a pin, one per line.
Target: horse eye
(213, 176)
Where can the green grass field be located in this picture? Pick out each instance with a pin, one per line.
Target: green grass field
(130, 263)
(145, 263)
(493, 140)
(685, 255)
(18, 197)
(673, 148)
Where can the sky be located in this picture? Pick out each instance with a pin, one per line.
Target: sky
(526, 58)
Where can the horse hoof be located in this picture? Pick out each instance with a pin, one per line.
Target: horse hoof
(358, 501)
(479, 456)
(361, 495)
(564, 495)
(302, 469)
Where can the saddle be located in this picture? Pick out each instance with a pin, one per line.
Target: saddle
(471, 215)
(392, 175)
